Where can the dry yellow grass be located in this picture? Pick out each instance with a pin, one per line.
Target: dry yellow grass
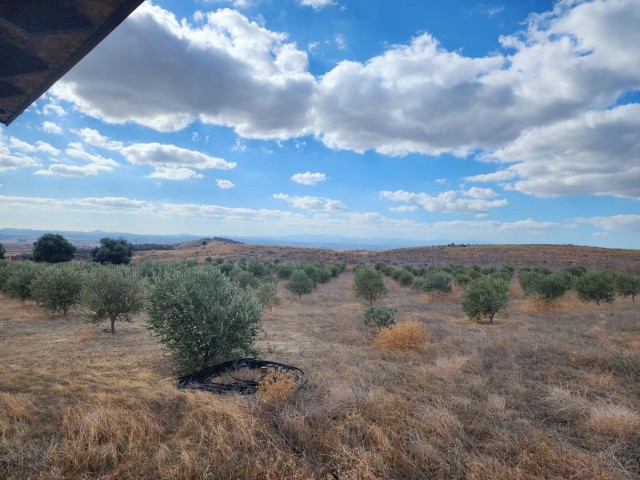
(408, 335)
(536, 395)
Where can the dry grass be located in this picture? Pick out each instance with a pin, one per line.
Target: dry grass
(408, 335)
(536, 395)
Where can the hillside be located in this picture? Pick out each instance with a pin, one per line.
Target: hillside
(552, 256)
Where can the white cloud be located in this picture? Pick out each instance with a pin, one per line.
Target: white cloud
(51, 127)
(316, 4)
(95, 164)
(499, 176)
(239, 74)
(341, 42)
(595, 153)
(17, 144)
(174, 173)
(94, 138)
(449, 202)
(308, 178)
(88, 204)
(614, 222)
(224, 184)
(404, 208)
(47, 148)
(314, 204)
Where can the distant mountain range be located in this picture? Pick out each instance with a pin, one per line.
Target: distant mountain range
(83, 239)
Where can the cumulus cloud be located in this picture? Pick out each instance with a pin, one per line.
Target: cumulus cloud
(87, 204)
(404, 208)
(614, 222)
(308, 178)
(51, 127)
(226, 70)
(224, 184)
(79, 163)
(595, 153)
(316, 4)
(314, 204)
(470, 201)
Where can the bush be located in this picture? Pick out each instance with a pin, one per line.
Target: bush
(285, 270)
(596, 287)
(437, 281)
(202, 318)
(626, 285)
(267, 295)
(243, 278)
(383, 316)
(53, 248)
(112, 293)
(485, 297)
(2, 251)
(57, 287)
(226, 267)
(545, 288)
(405, 278)
(19, 275)
(112, 251)
(369, 284)
(402, 336)
(300, 283)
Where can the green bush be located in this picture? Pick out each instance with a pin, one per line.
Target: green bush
(369, 284)
(243, 278)
(596, 287)
(300, 283)
(57, 287)
(202, 318)
(627, 286)
(405, 278)
(485, 297)
(284, 270)
(19, 275)
(437, 281)
(382, 316)
(113, 251)
(545, 288)
(53, 248)
(112, 292)
(2, 251)
(267, 295)
(226, 267)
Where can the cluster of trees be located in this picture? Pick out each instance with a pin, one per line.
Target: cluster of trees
(201, 314)
(54, 248)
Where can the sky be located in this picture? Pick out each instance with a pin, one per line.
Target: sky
(498, 122)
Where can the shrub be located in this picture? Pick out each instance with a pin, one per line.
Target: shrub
(382, 316)
(545, 288)
(267, 295)
(208, 259)
(19, 275)
(485, 297)
(369, 284)
(595, 287)
(226, 267)
(626, 285)
(300, 283)
(2, 251)
(405, 278)
(409, 335)
(150, 269)
(112, 293)
(323, 273)
(202, 318)
(113, 251)
(437, 281)
(312, 273)
(57, 287)
(285, 270)
(53, 248)
(575, 271)
(243, 278)
(257, 268)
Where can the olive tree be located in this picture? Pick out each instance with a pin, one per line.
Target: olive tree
(57, 287)
(18, 276)
(437, 281)
(53, 248)
(627, 285)
(112, 292)
(596, 287)
(201, 317)
(267, 295)
(368, 284)
(485, 297)
(300, 283)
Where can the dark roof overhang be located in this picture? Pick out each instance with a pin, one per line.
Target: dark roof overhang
(41, 40)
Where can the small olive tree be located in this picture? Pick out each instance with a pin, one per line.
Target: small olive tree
(112, 292)
(300, 283)
(267, 295)
(485, 297)
(18, 277)
(596, 287)
(437, 281)
(627, 285)
(380, 316)
(368, 284)
(201, 317)
(57, 287)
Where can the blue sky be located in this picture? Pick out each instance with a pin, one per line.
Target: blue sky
(502, 122)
